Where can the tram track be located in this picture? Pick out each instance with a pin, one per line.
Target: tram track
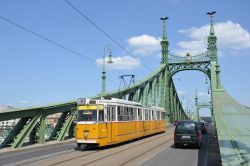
(130, 149)
(25, 150)
(64, 156)
(97, 159)
(40, 158)
(139, 155)
(130, 159)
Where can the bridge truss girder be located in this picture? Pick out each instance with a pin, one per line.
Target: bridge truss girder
(155, 91)
(32, 124)
(203, 66)
(177, 64)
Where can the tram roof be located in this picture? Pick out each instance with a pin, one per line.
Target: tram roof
(119, 101)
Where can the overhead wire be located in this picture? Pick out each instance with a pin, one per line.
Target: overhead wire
(105, 33)
(53, 42)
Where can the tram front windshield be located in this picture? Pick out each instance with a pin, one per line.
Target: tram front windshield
(87, 115)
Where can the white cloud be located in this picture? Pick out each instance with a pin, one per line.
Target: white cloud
(144, 45)
(23, 102)
(229, 36)
(123, 62)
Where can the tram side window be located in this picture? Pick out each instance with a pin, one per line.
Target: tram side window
(134, 113)
(120, 113)
(158, 115)
(149, 114)
(139, 114)
(163, 115)
(113, 114)
(130, 114)
(125, 116)
(108, 114)
(101, 116)
(146, 114)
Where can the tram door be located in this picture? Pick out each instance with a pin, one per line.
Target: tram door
(110, 119)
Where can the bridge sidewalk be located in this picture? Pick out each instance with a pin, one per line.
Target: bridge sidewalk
(214, 157)
(28, 148)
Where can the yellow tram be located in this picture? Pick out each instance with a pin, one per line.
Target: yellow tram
(111, 121)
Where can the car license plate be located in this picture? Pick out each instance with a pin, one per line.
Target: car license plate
(185, 137)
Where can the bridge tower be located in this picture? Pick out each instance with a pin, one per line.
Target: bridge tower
(212, 53)
(199, 106)
(164, 42)
(165, 98)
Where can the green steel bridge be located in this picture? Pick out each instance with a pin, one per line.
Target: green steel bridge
(230, 118)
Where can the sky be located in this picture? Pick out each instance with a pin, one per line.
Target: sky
(64, 63)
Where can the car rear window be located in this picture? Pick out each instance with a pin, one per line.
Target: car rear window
(184, 126)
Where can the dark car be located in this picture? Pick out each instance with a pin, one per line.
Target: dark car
(187, 133)
(202, 127)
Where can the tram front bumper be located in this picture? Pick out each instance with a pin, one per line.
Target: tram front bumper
(83, 141)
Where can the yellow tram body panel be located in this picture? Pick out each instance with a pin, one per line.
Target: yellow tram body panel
(91, 129)
(116, 132)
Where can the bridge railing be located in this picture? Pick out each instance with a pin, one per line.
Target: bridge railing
(186, 59)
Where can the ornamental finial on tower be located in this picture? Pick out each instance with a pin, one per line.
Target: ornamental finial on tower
(164, 36)
(212, 48)
(211, 22)
(164, 43)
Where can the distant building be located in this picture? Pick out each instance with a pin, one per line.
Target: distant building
(52, 119)
(7, 123)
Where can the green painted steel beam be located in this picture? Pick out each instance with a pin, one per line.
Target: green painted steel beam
(145, 95)
(67, 124)
(33, 111)
(171, 102)
(33, 134)
(72, 130)
(140, 98)
(157, 91)
(42, 129)
(55, 132)
(175, 113)
(139, 84)
(19, 140)
(150, 94)
(14, 132)
(162, 83)
(136, 96)
(200, 66)
(154, 93)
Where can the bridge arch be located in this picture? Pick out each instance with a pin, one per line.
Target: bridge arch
(207, 73)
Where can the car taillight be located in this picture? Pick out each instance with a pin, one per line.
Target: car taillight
(174, 135)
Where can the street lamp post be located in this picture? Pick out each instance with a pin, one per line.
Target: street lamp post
(107, 48)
